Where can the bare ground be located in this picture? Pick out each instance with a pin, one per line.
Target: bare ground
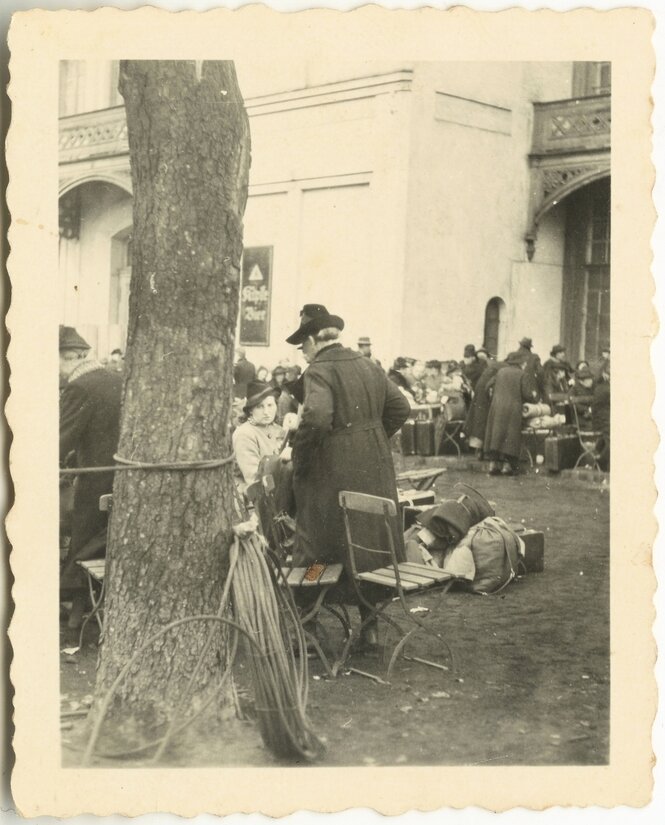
(531, 684)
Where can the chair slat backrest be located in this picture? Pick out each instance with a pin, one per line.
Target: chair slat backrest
(376, 506)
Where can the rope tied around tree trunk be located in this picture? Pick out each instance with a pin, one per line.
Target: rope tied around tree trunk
(129, 464)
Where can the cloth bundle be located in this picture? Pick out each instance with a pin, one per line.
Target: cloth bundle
(546, 422)
(535, 410)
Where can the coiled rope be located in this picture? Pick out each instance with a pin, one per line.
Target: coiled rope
(265, 615)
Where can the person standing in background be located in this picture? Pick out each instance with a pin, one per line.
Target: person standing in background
(472, 366)
(243, 372)
(365, 348)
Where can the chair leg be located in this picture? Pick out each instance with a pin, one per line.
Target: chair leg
(405, 638)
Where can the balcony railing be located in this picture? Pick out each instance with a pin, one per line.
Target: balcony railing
(577, 125)
(102, 133)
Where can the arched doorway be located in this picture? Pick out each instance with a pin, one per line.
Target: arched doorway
(494, 312)
(585, 323)
(95, 237)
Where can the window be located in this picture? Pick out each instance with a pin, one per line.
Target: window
(493, 317)
(590, 79)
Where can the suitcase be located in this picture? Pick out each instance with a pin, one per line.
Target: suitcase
(561, 452)
(416, 498)
(534, 548)
(425, 441)
(408, 437)
(410, 514)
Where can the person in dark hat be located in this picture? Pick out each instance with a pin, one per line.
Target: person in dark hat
(503, 436)
(432, 381)
(243, 372)
(89, 428)
(350, 410)
(472, 366)
(556, 373)
(259, 435)
(534, 380)
(365, 348)
(399, 374)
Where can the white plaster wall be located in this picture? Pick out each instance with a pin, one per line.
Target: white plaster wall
(536, 289)
(328, 192)
(468, 196)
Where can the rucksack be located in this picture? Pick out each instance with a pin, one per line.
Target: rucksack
(496, 551)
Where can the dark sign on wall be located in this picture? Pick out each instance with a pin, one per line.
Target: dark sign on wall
(255, 296)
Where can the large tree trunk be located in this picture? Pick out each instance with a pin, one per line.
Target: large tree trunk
(171, 531)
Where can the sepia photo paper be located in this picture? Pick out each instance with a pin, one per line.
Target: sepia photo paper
(336, 519)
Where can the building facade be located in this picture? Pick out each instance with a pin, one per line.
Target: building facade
(430, 204)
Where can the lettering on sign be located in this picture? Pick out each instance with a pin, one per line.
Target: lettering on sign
(255, 296)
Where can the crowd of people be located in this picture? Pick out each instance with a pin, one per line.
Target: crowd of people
(488, 395)
(326, 429)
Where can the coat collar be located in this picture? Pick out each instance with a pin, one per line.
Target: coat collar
(83, 369)
(336, 352)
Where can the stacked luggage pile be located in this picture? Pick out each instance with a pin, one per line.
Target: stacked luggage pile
(464, 537)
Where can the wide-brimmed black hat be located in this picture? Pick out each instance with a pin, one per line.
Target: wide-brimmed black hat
(527, 343)
(70, 339)
(256, 392)
(469, 351)
(556, 349)
(314, 318)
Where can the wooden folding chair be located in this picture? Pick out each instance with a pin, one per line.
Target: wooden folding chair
(588, 441)
(393, 579)
(95, 571)
(311, 586)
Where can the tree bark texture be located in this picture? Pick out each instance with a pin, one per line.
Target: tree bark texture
(189, 149)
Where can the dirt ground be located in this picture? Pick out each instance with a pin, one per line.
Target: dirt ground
(531, 684)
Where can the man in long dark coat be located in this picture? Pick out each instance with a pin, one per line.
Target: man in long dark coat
(503, 437)
(89, 427)
(472, 367)
(350, 410)
(534, 378)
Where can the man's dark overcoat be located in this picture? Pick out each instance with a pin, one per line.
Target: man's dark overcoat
(350, 411)
(473, 371)
(89, 425)
(504, 422)
(476, 422)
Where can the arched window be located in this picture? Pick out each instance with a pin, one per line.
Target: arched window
(494, 312)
